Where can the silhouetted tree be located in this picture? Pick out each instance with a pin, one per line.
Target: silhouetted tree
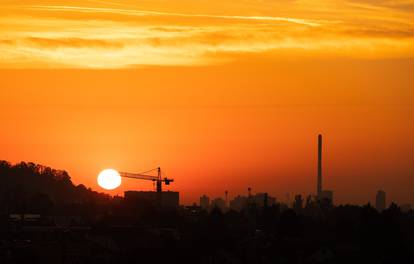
(29, 187)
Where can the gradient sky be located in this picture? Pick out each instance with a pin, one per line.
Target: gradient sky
(222, 94)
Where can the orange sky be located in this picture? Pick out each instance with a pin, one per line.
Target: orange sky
(221, 94)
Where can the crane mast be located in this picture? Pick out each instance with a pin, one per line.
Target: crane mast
(143, 176)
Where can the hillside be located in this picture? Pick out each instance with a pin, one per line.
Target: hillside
(30, 187)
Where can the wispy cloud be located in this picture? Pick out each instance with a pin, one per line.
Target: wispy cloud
(118, 37)
(72, 43)
(307, 22)
(402, 5)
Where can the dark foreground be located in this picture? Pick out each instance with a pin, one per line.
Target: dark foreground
(45, 218)
(346, 234)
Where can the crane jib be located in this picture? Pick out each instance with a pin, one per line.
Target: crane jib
(141, 176)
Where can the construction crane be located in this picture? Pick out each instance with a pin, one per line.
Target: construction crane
(158, 180)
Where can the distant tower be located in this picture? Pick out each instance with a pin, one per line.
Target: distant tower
(226, 193)
(380, 201)
(319, 188)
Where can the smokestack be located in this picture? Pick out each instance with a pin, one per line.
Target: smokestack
(319, 190)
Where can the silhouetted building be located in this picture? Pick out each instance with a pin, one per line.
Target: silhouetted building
(226, 195)
(406, 208)
(380, 201)
(327, 196)
(271, 201)
(204, 202)
(163, 199)
(30, 218)
(298, 203)
(259, 200)
(263, 200)
(239, 203)
(219, 203)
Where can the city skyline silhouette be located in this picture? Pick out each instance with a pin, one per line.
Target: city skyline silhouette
(159, 179)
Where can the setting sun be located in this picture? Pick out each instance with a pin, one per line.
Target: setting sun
(109, 179)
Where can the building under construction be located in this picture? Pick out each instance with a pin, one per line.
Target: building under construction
(158, 198)
(153, 199)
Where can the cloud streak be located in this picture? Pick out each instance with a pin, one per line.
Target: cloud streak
(141, 13)
(57, 36)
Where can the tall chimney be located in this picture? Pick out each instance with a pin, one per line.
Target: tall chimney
(319, 190)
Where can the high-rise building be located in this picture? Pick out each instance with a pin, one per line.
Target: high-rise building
(380, 201)
(204, 202)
